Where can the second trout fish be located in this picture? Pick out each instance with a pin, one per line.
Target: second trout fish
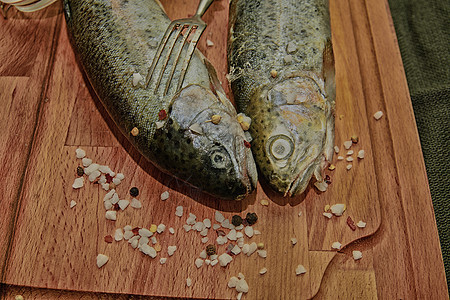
(282, 76)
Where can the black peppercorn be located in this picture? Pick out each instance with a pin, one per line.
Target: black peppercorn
(80, 171)
(251, 218)
(210, 249)
(236, 220)
(134, 191)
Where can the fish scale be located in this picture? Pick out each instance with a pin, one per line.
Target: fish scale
(282, 76)
(114, 40)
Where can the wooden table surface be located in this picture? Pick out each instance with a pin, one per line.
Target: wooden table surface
(48, 250)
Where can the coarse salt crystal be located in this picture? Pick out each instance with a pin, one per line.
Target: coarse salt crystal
(300, 270)
(105, 186)
(127, 228)
(300, 213)
(86, 162)
(256, 232)
(242, 286)
(128, 234)
(291, 47)
(203, 254)
(198, 262)
(361, 154)
(108, 205)
(145, 232)
(293, 241)
(328, 215)
(349, 166)
(103, 169)
(221, 240)
(263, 271)
(239, 227)
(349, 158)
(207, 223)
(219, 217)
(123, 204)
(161, 228)
(72, 204)
(226, 224)
(350, 152)
(148, 250)
(102, 260)
(109, 195)
(116, 181)
(118, 234)
(188, 282)
(204, 232)
(187, 227)
(111, 215)
(361, 224)
(224, 259)
(348, 144)
(91, 168)
(240, 234)
(162, 260)
(80, 153)
(159, 124)
(214, 262)
(115, 198)
(252, 248)
(340, 158)
(262, 253)
(199, 226)
(321, 185)
(240, 242)
(236, 250)
(196, 128)
(338, 209)
(135, 203)
(249, 231)
(137, 78)
(134, 241)
(205, 240)
(165, 196)
(378, 115)
(143, 240)
(120, 176)
(232, 282)
(207, 262)
(288, 59)
(78, 183)
(171, 250)
(209, 43)
(216, 226)
(336, 149)
(336, 245)
(171, 230)
(357, 255)
(179, 211)
(154, 240)
(232, 235)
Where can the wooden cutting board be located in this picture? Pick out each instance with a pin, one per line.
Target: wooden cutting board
(47, 111)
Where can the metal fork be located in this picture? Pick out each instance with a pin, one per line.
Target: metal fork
(179, 32)
(23, 5)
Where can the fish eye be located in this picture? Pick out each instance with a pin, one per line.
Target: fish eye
(280, 147)
(218, 159)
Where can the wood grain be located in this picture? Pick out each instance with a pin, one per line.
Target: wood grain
(53, 247)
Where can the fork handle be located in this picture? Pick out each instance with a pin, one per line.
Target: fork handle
(202, 7)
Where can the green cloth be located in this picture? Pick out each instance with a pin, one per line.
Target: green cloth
(423, 32)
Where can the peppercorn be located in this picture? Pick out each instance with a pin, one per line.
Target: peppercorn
(251, 218)
(134, 191)
(210, 249)
(80, 171)
(236, 220)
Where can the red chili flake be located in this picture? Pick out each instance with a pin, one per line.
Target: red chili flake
(220, 232)
(351, 224)
(327, 179)
(108, 178)
(135, 230)
(109, 239)
(229, 248)
(162, 114)
(247, 144)
(116, 206)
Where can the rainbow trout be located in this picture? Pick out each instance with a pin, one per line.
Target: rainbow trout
(281, 69)
(193, 133)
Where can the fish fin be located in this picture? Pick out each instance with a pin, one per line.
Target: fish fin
(329, 71)
(216, 86)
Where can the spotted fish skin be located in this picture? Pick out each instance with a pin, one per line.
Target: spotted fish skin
(115, 39)
(281, 70)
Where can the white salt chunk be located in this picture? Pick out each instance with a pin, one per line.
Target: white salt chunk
(224, 259)
(135, 203)
(321, 185)
(104, 169)
(216, 226)
(207, 262)
(116, 181)
(232, 282)
(349, 167)
(171, 250)
(349, 158)
(336, 245)
(293, 241)
(91, 168)
(209, 43)
(86, 162)
(105, 186)
(203, 254)
(118, 234)
(134, 242)
(240, 242)
(196, 128)
(300, 213)
(187, 227)
(361, 154)
(102, 260)
(145, 232)
(213, 257)
(188, 282)
(163, 260)
(361, 224)
(242, 286)
(109, 195)
(236, 250)
(108, 205)
(350, 152)
(348, 144)
(378, 115)
(300, 270)
(205, 240)
(111, 215)
(245, 248)
(198, 262)
(115, 198)
(338, 209)
(288, 59)
(72, 204)
(340, 158)
(204, 232)
(127, 228)
(137, 78)
(78, 183)
(120, 176)
(291, 47)
(263, 271)
(159, 124)
(148, 250)
(161, 228)
(154, 241)
(262, 253)
(214, 262)
(252, 248)
(240, 234)
(128, 234)
(207, 223)
(219, 217)
(232, 235)
(199, 226)
(179, 211)
(143, 240)
(336, 149)
(123, 204)
(249, 231)
(80, 153)
(256, 232)
(239, 227)
(357, 255)
(171, 230)
(102, 179)
(328, 215)
(221, 240)
(165, 196)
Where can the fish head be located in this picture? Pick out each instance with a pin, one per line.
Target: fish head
(205, 145)
(290, 130)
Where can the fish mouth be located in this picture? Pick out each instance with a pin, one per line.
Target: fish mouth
(299, 184)
(246, 167)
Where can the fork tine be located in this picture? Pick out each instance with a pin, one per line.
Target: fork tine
(190, 51)
(187, 33)
(161, 46)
